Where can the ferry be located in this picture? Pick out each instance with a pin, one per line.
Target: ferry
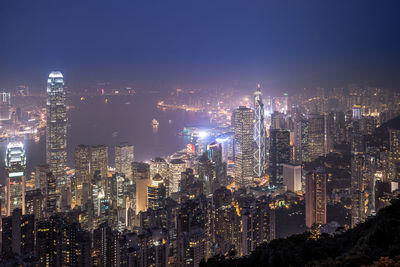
(155, 123)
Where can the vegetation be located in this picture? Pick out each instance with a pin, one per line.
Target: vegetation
(375, 242)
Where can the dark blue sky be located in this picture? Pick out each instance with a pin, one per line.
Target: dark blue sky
(191, 43)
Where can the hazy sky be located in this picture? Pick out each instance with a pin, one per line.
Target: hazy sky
(190, 43)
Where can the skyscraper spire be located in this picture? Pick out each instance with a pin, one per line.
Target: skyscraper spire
(259, 133)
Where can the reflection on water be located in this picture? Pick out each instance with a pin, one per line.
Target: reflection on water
(93, 121)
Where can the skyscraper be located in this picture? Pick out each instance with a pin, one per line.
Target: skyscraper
(243, 120)
(5, 103)
(124, 157)
(316, 136)
(315, 197)
(15, 163)
(56, 130)
(279, 153)
(82, 164)
(259, 134)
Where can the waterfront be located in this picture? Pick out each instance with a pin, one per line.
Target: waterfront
(96, 120)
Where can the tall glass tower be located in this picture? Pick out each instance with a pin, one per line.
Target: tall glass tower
(259, 134)
(15, 163)
(56, 130)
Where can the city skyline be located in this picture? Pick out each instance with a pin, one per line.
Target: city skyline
(198, 134)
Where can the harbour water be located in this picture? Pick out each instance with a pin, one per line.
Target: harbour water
(111, 120)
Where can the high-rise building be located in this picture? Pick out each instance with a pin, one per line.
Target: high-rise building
(358, 182)
(279, 153)
(124, 156)
(243, 121)
(99, 160)
(292, 177)
(316, 136)
(315, 197)
(82, 177)
(18, 234)
(34, 203)
(394, 154)
(259, 134)
(15, 163)
(141, 176)
(176, 167)
(56, 129)
(51, 195)
(5, 103)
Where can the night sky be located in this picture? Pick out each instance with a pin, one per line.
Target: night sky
(201, 43)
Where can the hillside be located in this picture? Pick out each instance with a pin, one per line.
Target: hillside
(376, 241)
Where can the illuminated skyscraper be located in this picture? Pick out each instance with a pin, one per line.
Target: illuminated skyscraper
(5, 104)
(15, 163)
(259, 134)
(357, 175)
(56, 130)
(394, 154)
(124, 157)
(279, 153)
(176, 167)
(243, 120)
(316, 136)
(315, 197)
(99, 160)
(82, 163)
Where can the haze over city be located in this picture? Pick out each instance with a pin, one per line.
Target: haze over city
(199, 133)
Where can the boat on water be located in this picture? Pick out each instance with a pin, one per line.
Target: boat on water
(155, 123)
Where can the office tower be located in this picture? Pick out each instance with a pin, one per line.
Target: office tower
(243, 121)
(259, 134)
(227, 142)
(5, 103)
(50, 195)
(41, 172)
(316, 136)
(315, 197)
(394, 154)
(358, 182)
(205, 169)
(15, 164)
(18, 234)
(141, 177)
(56, 129)
(99, 160)
(34, 203)
(82, 169)
(280, 153)
(176, 167)
(124, 156)
(119, 195)
(88, 161)
(161, 167)
(278, 121)
(357, 189)
(292, 177)
(215, 156)
(301, 140)
(156, 193)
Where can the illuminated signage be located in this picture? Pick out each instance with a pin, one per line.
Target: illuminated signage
(190, 149)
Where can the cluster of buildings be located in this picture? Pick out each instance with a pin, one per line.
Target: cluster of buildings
(216, 197)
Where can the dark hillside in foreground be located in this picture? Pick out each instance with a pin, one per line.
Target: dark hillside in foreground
(378, 239)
